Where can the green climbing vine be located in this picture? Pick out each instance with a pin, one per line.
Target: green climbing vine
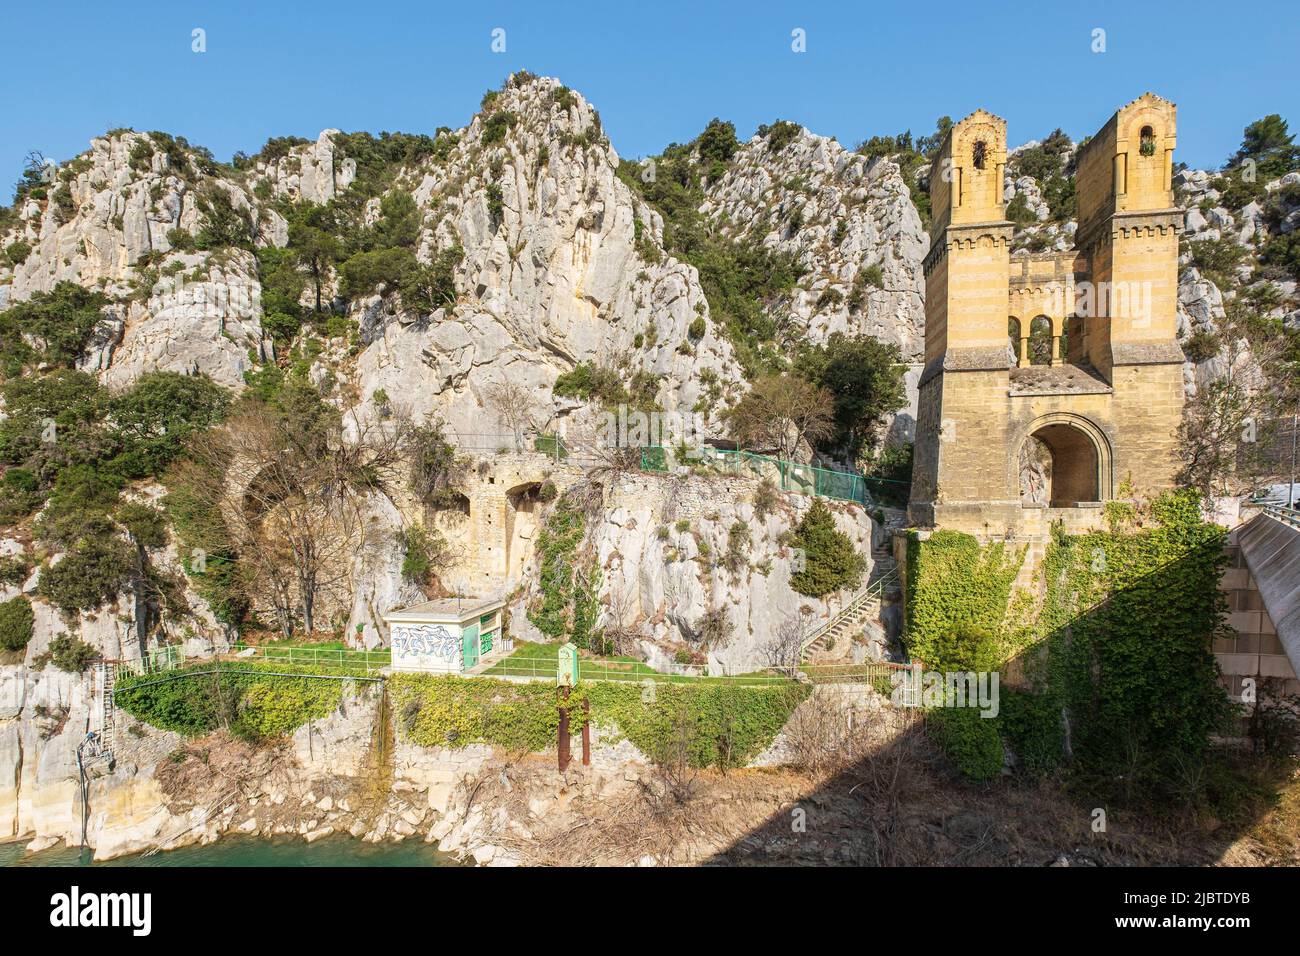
(1116, 659)
(1127, 622)
(253, 700)
(713, 724)
(957, 593)
(568, 605)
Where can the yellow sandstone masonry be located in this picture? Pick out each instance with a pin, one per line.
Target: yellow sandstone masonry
(1106, 402)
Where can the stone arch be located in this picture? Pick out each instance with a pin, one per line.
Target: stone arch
(1080, 463)
(523, 523)
(1040, 340)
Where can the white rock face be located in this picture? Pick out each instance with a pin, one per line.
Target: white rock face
(837, 213)
(660, 582)
(311, 173)
(555, 281)
(203, 312)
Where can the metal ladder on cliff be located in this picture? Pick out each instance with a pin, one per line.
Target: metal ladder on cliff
(106, 680)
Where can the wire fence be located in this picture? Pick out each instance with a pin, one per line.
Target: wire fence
(788, 475)
(534, 667)
(308, 656)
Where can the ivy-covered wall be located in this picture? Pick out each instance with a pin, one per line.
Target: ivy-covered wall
(255, 701)
(955, 586)
(710, 724)
(568, 605)
(1127, 622)
(1115, 651)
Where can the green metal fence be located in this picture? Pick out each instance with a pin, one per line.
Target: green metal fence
(789, 475)
(316, 656)
(552, 446)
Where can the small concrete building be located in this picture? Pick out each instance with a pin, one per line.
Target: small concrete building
(448, 636)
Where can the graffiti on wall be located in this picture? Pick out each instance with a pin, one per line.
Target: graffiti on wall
(428, 642)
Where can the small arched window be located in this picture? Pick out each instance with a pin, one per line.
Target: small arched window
(979, 154)
(1148, 141)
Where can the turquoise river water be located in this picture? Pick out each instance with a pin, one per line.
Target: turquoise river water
(249, 851)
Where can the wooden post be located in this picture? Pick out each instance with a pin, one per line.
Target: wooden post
(586, 732)
(563, 731)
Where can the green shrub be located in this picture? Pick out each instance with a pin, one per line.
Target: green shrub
(366, 271)
(17, 252)
(62, 319)
(496, 125)
(1202, 345)
(831, 563)
(423, 553)
(971, 742)
(16, 620)
(697, 329)
(71, 654)
(779, 135)
(588, 380)
(88, 576)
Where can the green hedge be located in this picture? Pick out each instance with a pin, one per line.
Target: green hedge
(718, 725)
(254, 700)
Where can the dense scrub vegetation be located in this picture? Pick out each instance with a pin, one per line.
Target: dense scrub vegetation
(70, 447)
(741, 279)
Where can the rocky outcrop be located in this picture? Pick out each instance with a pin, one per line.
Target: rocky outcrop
(690, 572)
(111, 222)
(848, 221)
(555, 275)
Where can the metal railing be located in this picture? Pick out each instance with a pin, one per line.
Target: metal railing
(868, 672)
(1290, 516)
(873, 590)
(308, 656)
(541, 668)
(161, 659)
(789, 475)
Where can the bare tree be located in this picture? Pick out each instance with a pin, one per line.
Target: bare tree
(287, 492)
(1223, 426)
(514, 406)
(781, 412)
(784, 648)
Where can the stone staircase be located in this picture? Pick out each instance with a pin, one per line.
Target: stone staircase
(882, 585)
(832, 639)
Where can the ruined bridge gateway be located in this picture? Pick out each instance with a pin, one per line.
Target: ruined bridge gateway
(1051, 380)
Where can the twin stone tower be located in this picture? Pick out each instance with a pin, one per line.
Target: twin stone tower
(1053, 381)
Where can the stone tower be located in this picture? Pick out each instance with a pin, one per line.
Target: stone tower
(1052, 380)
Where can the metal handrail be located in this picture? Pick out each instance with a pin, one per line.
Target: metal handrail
(1286, 515)
(855, 603)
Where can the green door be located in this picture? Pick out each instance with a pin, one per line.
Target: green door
(469, 645)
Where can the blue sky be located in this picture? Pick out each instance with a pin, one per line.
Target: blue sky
(657, 71)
